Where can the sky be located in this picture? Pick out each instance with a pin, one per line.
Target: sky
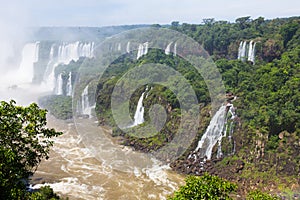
(120, 12)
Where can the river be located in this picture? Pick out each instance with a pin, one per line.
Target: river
(77, 171)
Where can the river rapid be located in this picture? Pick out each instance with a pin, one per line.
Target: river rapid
(79, 169)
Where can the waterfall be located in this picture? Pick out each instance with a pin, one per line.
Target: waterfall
(59, 85)
(64, 53)
(73, 51)
(49, 78)
(251, 57)
(69, 85)
(250, 50)
(69, 52)
(213, 134)
(139, 113)
(128, 47)
(168, 48)
(119, 47)
(146, 45)
(86, 109)
(242, 52)
(142, 50)
(51, 55)
(30, 55)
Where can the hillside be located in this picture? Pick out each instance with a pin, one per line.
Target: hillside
(259, 63)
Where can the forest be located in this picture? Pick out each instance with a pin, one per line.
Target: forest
(267, 133)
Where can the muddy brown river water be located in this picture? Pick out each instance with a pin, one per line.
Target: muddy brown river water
(86, 163)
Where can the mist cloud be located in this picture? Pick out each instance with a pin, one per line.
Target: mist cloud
(13, 23)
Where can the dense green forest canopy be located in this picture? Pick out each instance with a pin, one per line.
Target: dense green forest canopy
(267, 90)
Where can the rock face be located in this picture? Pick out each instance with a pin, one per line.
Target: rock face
(196, 165)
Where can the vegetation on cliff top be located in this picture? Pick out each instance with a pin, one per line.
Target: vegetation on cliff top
(268, 140)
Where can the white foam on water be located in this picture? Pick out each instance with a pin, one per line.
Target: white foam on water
(75, 189)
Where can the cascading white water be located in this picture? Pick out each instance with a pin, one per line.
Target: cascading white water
(142, 50)
(230, 125)
(250, 50)
(128, 47)
(69, 88)
(139, 113)
(66, 52)
(242, 53)
(51, 55)
(213, 134)
(59, 85)
(251, 56)
(30, 55)
(240, 50)
(146, 46)
(85, 50)
(49, 78)
(119, 47)
(86, 109)
(168, 48)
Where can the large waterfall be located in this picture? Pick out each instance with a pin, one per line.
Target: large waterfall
(64, 53)
(243, 54)
(213, 134)
(30, 55)
(73, 51)
(221, 125)
(139, 113)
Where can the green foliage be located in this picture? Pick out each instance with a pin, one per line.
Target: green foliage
(204, 187)
(221, 38)
(158, 94)
(58, 105)
(44, 193)
(258, 195)
(268, 92)
(24, 142)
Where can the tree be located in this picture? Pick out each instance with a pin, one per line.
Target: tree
(175, 23)
(24, 142)
(208, 21)
(243, 22)
(204, 187)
